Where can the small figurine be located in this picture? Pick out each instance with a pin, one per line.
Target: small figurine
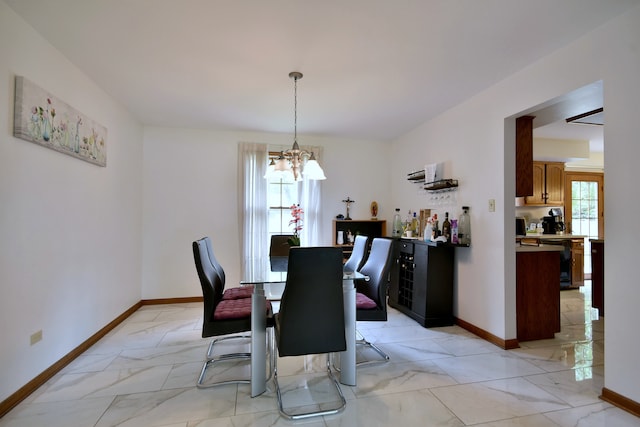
(350, 237)
(374, 210)
(348, 201)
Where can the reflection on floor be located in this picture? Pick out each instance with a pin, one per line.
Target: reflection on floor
(143, 374)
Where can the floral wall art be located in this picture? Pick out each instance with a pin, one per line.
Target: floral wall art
(42, 118)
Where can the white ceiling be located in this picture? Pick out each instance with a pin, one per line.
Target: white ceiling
(373, 69)
(550, 118)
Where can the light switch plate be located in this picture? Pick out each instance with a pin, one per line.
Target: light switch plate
(35, 337)
(492, 205)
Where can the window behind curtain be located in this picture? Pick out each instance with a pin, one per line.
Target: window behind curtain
(280, 196)
(252, 199)
(265, 207)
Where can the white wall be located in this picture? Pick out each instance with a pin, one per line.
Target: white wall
(190, 191)
(85, 221)
(476, 144)
(70, 248)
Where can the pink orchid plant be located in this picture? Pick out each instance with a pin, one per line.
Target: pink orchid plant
(296, 221)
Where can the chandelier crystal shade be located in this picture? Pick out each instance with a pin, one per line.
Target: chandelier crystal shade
(292, 163)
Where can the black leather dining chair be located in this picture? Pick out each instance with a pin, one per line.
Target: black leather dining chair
(311, 316)
(214, 260)
(222, 317)
(358, 254)
(228, 293)
(279, 251)
(371, 294)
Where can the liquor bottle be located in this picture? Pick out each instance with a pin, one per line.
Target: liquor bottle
(446, 227)
(415, 226)
(434, 227)
(397, 224)
(427, 230)
(454, 231)
(464, 227)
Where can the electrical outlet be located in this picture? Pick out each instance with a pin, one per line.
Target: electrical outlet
(36, 336)
(492, 205)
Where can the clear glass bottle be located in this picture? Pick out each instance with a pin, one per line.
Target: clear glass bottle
(415, 226)
(427, 230)
(397, 224)
(464, 227)
(435, 232)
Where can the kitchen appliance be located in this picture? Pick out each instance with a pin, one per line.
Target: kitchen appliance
(565, 261)
(553, 224)
(521, 227)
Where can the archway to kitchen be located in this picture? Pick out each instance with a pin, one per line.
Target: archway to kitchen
(555, 140)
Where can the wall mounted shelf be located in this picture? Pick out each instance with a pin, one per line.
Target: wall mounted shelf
(417, 176)
(441, 184)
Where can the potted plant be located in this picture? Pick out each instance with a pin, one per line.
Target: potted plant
(296, 221)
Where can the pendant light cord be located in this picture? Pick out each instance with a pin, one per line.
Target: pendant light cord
(295, 109)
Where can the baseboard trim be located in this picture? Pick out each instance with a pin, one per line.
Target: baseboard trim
(621, 401)
(171, 300)
(24, 392)
(488, 336)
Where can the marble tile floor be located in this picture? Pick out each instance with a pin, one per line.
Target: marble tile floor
(143, 373)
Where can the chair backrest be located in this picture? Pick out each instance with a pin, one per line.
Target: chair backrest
(358, 255)
(214, 261)
(377, 268)
(311, 317)
(212, 286)
(279, 245)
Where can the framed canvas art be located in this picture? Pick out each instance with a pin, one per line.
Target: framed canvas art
(41, 118)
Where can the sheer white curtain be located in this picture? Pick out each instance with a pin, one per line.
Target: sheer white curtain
(253, 209)
(311, 202)
(252, 165)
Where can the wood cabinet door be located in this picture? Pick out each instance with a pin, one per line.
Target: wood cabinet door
(524, 155)
(538, 197)
(537, 295)
(577, 263)
(420, 284)
(394, 273)
(548, 184)
(554, 181)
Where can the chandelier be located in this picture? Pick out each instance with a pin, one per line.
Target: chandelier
(291, 163)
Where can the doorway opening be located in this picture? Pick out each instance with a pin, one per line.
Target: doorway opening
(584, 209)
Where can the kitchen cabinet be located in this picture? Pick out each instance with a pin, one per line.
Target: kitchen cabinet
(577, 262)
(548, 184)
(537, 296)
(572, 260)
(524, 156)
(422, 281)
(597, 275)
(370, 228)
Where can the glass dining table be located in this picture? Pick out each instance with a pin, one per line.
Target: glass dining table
(269, 285)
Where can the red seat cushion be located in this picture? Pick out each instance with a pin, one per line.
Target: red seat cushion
(363, 302)
(237, 293)
(235, 309)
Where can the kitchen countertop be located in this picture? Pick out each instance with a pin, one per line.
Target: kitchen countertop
(539, 239)
(551, 236)
(539, 248)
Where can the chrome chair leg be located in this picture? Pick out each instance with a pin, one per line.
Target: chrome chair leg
(363, 341)
(211, 360)
(304, 415)
(232, 355)
(271, 348)
(383, 355)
